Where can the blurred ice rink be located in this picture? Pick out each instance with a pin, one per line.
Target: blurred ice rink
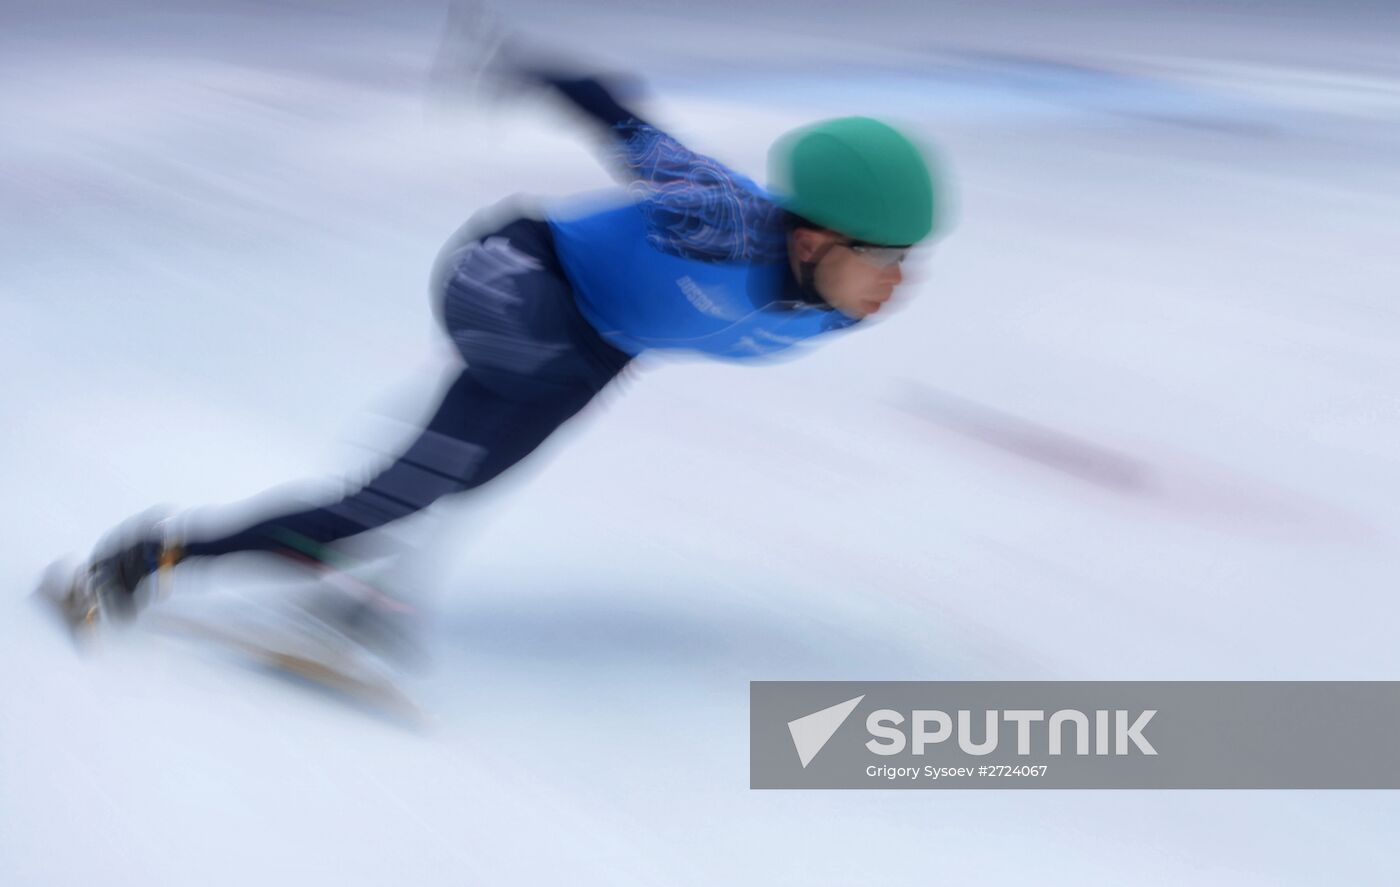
(1138, 418)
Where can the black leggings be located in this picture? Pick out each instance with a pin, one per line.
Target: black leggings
(532, 360)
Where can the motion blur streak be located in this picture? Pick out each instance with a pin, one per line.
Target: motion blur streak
(1138, 416)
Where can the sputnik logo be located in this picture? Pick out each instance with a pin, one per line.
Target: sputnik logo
(811, 732)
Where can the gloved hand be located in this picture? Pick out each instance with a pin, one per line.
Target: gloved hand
(479, 61)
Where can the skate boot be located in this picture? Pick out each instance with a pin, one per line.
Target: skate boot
(108, 587)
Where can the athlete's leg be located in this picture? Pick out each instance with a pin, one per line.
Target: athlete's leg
(532, 362)
(475, 434)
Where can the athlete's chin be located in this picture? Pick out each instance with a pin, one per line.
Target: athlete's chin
(858, 309)
(873, 306)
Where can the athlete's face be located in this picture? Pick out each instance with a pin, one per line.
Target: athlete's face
(853, 279)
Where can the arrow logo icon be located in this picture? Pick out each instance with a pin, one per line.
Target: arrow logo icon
(811, 732)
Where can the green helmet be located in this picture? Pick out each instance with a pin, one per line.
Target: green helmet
(857, 176)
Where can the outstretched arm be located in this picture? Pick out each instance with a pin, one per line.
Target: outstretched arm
(694, 205)
(641, 153)
(592, 97)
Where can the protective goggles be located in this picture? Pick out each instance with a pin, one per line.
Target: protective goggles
(879, 256)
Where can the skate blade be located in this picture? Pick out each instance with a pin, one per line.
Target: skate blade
(322, 669)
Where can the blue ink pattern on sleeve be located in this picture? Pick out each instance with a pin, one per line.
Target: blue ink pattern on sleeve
(696, 207)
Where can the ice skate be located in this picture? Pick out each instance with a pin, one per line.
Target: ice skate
(343, 634)
(319, 646)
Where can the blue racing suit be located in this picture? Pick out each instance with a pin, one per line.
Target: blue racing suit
(695, 259)
(546, 312)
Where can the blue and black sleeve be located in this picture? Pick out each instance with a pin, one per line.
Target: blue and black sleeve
(694, 205)
(593, 98)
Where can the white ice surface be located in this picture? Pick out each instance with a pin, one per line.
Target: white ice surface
(1137, 418)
